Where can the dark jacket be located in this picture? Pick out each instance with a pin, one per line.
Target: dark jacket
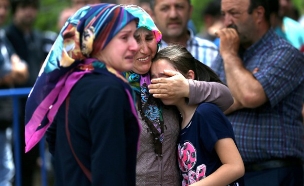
(29, 48)
(6, 104)
(103, 133)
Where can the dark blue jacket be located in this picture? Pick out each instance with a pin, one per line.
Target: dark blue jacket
(103, 133)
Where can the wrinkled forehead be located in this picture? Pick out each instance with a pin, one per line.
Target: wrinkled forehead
(238, 5)
(172, 2)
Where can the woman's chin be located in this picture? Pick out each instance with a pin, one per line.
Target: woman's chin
(142, 70)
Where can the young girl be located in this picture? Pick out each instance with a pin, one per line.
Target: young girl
(207, 153)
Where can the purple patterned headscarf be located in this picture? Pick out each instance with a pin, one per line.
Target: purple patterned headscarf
(84, 34)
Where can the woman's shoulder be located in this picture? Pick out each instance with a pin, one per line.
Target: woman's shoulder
(98, 81)
(90, 85)
(92, 78)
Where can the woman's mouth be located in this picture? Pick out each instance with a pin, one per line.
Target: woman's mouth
(143, 59)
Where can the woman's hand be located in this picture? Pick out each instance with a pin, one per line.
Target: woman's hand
(176, 85)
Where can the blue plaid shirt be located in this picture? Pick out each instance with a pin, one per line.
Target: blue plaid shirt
(203, 50)
(275, 129)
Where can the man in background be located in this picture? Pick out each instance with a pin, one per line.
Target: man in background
(213, 21)
(265, 76)
(28, 44)
(171, 18)
(12, 71)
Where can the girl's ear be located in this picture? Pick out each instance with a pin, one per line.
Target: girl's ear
(190, 74)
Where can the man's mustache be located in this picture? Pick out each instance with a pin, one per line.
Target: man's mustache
(233, 26)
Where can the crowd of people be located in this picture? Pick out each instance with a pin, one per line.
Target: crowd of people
(130, 93)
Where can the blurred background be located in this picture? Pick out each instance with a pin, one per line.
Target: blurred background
(50, 10)
(40, 31)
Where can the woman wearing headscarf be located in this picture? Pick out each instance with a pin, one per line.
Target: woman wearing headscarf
(81, 95)
(156, 158)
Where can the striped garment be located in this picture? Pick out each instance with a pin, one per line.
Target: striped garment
(203, 50)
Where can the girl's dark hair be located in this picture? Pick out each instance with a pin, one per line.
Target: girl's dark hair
(183, 61)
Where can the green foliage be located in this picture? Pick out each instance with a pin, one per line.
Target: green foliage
(49, 13)
(198, 6)
(299, 4)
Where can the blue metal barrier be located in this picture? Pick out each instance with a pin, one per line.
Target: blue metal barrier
(16, 93)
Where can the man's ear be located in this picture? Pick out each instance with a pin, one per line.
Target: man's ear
(190, 74)
(259, 14)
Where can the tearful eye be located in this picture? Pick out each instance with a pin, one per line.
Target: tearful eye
(124, 37)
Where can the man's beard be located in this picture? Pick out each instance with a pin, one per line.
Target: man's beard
(234, 27)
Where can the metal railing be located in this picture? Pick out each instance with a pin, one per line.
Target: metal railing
(16, 93)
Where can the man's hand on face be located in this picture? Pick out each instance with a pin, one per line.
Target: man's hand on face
(229, 41)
